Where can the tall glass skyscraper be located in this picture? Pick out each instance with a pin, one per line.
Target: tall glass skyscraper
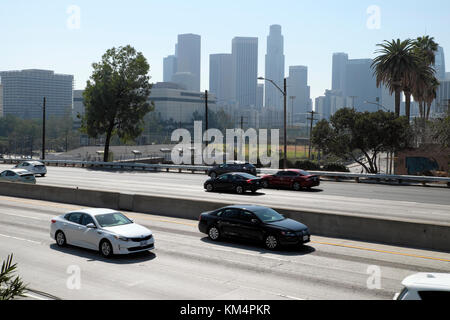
(275, 65)
(24, 91)
(245, 70)
(340, 61)
(440, 64)
(220, 77)
(188, 53)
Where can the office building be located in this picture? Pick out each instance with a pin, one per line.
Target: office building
(299, 99)
(24, 91)
(173, 103)
(440, 64)
(170, 68)
(188, 56)
(275, 65)
(340, 61)
(245, 70)
(220, 77)
(1, 101)
(442, 99)
(260, 96)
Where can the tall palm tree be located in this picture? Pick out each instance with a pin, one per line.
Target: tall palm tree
(426, 83)
(394, 67)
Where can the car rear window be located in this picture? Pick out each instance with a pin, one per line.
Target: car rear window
(435, 295)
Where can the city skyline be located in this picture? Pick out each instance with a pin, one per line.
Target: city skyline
(311, 35)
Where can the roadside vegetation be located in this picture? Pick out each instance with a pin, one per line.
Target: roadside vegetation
(11, 286)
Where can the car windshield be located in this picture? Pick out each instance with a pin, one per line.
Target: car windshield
(247, 176)
(304, 173)
(112, 220)
(268, 215)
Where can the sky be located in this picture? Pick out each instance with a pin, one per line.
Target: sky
(68, 36)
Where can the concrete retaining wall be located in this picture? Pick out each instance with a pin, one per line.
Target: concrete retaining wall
(394, 232)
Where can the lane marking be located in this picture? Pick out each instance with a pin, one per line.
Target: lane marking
(380, 251)
(18, 215)
(141, 216)
(21, 239)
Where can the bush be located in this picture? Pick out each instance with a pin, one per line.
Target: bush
(307, 165)
(288, 163)
(335, 167)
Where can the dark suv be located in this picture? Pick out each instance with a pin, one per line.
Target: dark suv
(216, 171)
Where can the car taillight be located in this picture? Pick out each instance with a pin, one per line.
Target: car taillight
(53, 221)
(200, 218)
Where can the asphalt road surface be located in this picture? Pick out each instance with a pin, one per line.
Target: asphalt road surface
(186, 265)
(417, 203)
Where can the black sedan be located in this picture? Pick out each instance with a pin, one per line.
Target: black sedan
(237, 182)
(254, 223)
(231, 167)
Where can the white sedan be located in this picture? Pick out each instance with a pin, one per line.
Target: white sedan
(36, 167)
(18, 175)
(105, 230)
(426, 286)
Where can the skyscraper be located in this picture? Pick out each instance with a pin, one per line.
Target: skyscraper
(170, 68)
(188, 52)
(340, 60)
(220, 77)
(275, 64)
(361, 84)
(440, 64)
(245, 70)
(260, 96)
(24, 91)
(298, 88)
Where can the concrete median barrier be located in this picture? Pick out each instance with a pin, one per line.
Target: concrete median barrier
(347, 226)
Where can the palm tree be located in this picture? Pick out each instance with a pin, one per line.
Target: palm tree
(426, 83)
(10, 287)
(395, 66)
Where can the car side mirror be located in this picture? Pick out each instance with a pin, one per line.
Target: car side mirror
(91, 226)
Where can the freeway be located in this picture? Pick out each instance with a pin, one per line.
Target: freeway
(186, 265)
(416, 203)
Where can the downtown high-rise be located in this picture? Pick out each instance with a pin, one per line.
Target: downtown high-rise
(275, 67)
(188, 61)
(245, 71)
(220, 77)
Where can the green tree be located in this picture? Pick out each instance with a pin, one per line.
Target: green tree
(10, 286)
(350, 134)
(116, 96)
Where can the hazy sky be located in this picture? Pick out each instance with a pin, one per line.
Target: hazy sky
(42, 34)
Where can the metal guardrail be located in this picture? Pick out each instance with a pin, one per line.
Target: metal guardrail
(197, 168)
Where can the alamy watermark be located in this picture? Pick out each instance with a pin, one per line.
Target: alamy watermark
(74, 19)
(374, 19)
(74, 280)
(227, 148)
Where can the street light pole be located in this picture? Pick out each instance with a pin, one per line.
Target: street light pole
(43, 129)
(284, 92)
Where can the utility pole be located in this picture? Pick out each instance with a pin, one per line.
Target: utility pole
(285, 129)
(292, 110)
(206, 115)
(43, 129)
(312, 119)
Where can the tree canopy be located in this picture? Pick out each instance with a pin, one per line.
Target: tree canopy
(116, 96)
(350, 134)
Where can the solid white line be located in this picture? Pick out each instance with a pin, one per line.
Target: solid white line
(21, 239)
(18, 215)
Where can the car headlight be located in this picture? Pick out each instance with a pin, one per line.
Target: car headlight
(122, 238)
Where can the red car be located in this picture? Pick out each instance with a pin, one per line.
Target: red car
(292, 179)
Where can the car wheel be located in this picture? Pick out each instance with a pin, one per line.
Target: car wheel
(214, 233)
(239, 190)
(271, 242)
(296, 186)
(60, 239)
(209, 187)
(106, 249)
(213, 175)
(265, 184)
